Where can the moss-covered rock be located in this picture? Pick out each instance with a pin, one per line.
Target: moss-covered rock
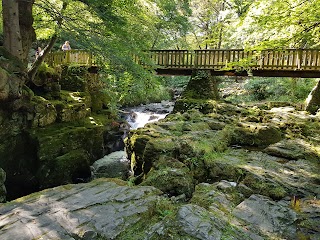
(71, 167)
(73, 78)
(74, 147)
(202, 85)
(172, 181)
(44, 112)
(254, 134)
(313, 100)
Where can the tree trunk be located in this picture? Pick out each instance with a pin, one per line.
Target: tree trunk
(26, 29)
(11, 29)
(32, 72)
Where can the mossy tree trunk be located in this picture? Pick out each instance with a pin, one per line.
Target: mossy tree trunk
(202, 85)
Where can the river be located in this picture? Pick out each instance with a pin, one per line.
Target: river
(117, 164)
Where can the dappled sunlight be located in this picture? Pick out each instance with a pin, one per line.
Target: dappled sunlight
(76, 97)
(73, 210)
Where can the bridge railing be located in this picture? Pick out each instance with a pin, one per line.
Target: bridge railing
(74, 56)
(287, 59)
(216, 59)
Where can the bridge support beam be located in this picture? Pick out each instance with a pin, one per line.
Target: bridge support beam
(202, 85)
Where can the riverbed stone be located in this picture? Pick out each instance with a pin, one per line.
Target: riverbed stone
(173, 181)
(254, 134)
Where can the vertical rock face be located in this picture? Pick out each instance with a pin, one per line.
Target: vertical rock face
(313, 100)
(50, 139)
(2, 187)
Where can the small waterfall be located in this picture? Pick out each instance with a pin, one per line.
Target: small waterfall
(115, 164)
(139, 116)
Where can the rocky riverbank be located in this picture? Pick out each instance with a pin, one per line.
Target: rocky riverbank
(257, 166)
(213, 171)
(59, 126)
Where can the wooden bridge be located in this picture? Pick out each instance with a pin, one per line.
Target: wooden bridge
(76, 56)
(232, 62)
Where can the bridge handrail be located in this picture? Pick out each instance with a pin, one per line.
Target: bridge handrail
(218, 59)
(212, 59)
(73, 56)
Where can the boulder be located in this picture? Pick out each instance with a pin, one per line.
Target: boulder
(100, 209)
(254, 134)
(172, 181)
(65, 152)
(113, 165)
(293, 149)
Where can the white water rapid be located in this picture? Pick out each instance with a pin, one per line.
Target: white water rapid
(139, 116)
(116, 164)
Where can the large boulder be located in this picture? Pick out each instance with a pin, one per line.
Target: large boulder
(66, 152)
(109, 209)
(113, 165)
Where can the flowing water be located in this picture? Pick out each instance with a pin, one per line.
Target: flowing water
(138, 117)
(116, 164)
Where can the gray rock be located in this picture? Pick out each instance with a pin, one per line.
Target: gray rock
(113, 165)
(198, 223)
(266, 215)
(292, 149)
(76, 211)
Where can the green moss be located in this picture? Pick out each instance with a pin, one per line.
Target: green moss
(172, 181)
(265, 186)
(161, 214)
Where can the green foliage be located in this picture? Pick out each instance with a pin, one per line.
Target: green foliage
(275, 89)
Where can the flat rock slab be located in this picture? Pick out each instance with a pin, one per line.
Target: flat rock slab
(266, 215)
(78, 211)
